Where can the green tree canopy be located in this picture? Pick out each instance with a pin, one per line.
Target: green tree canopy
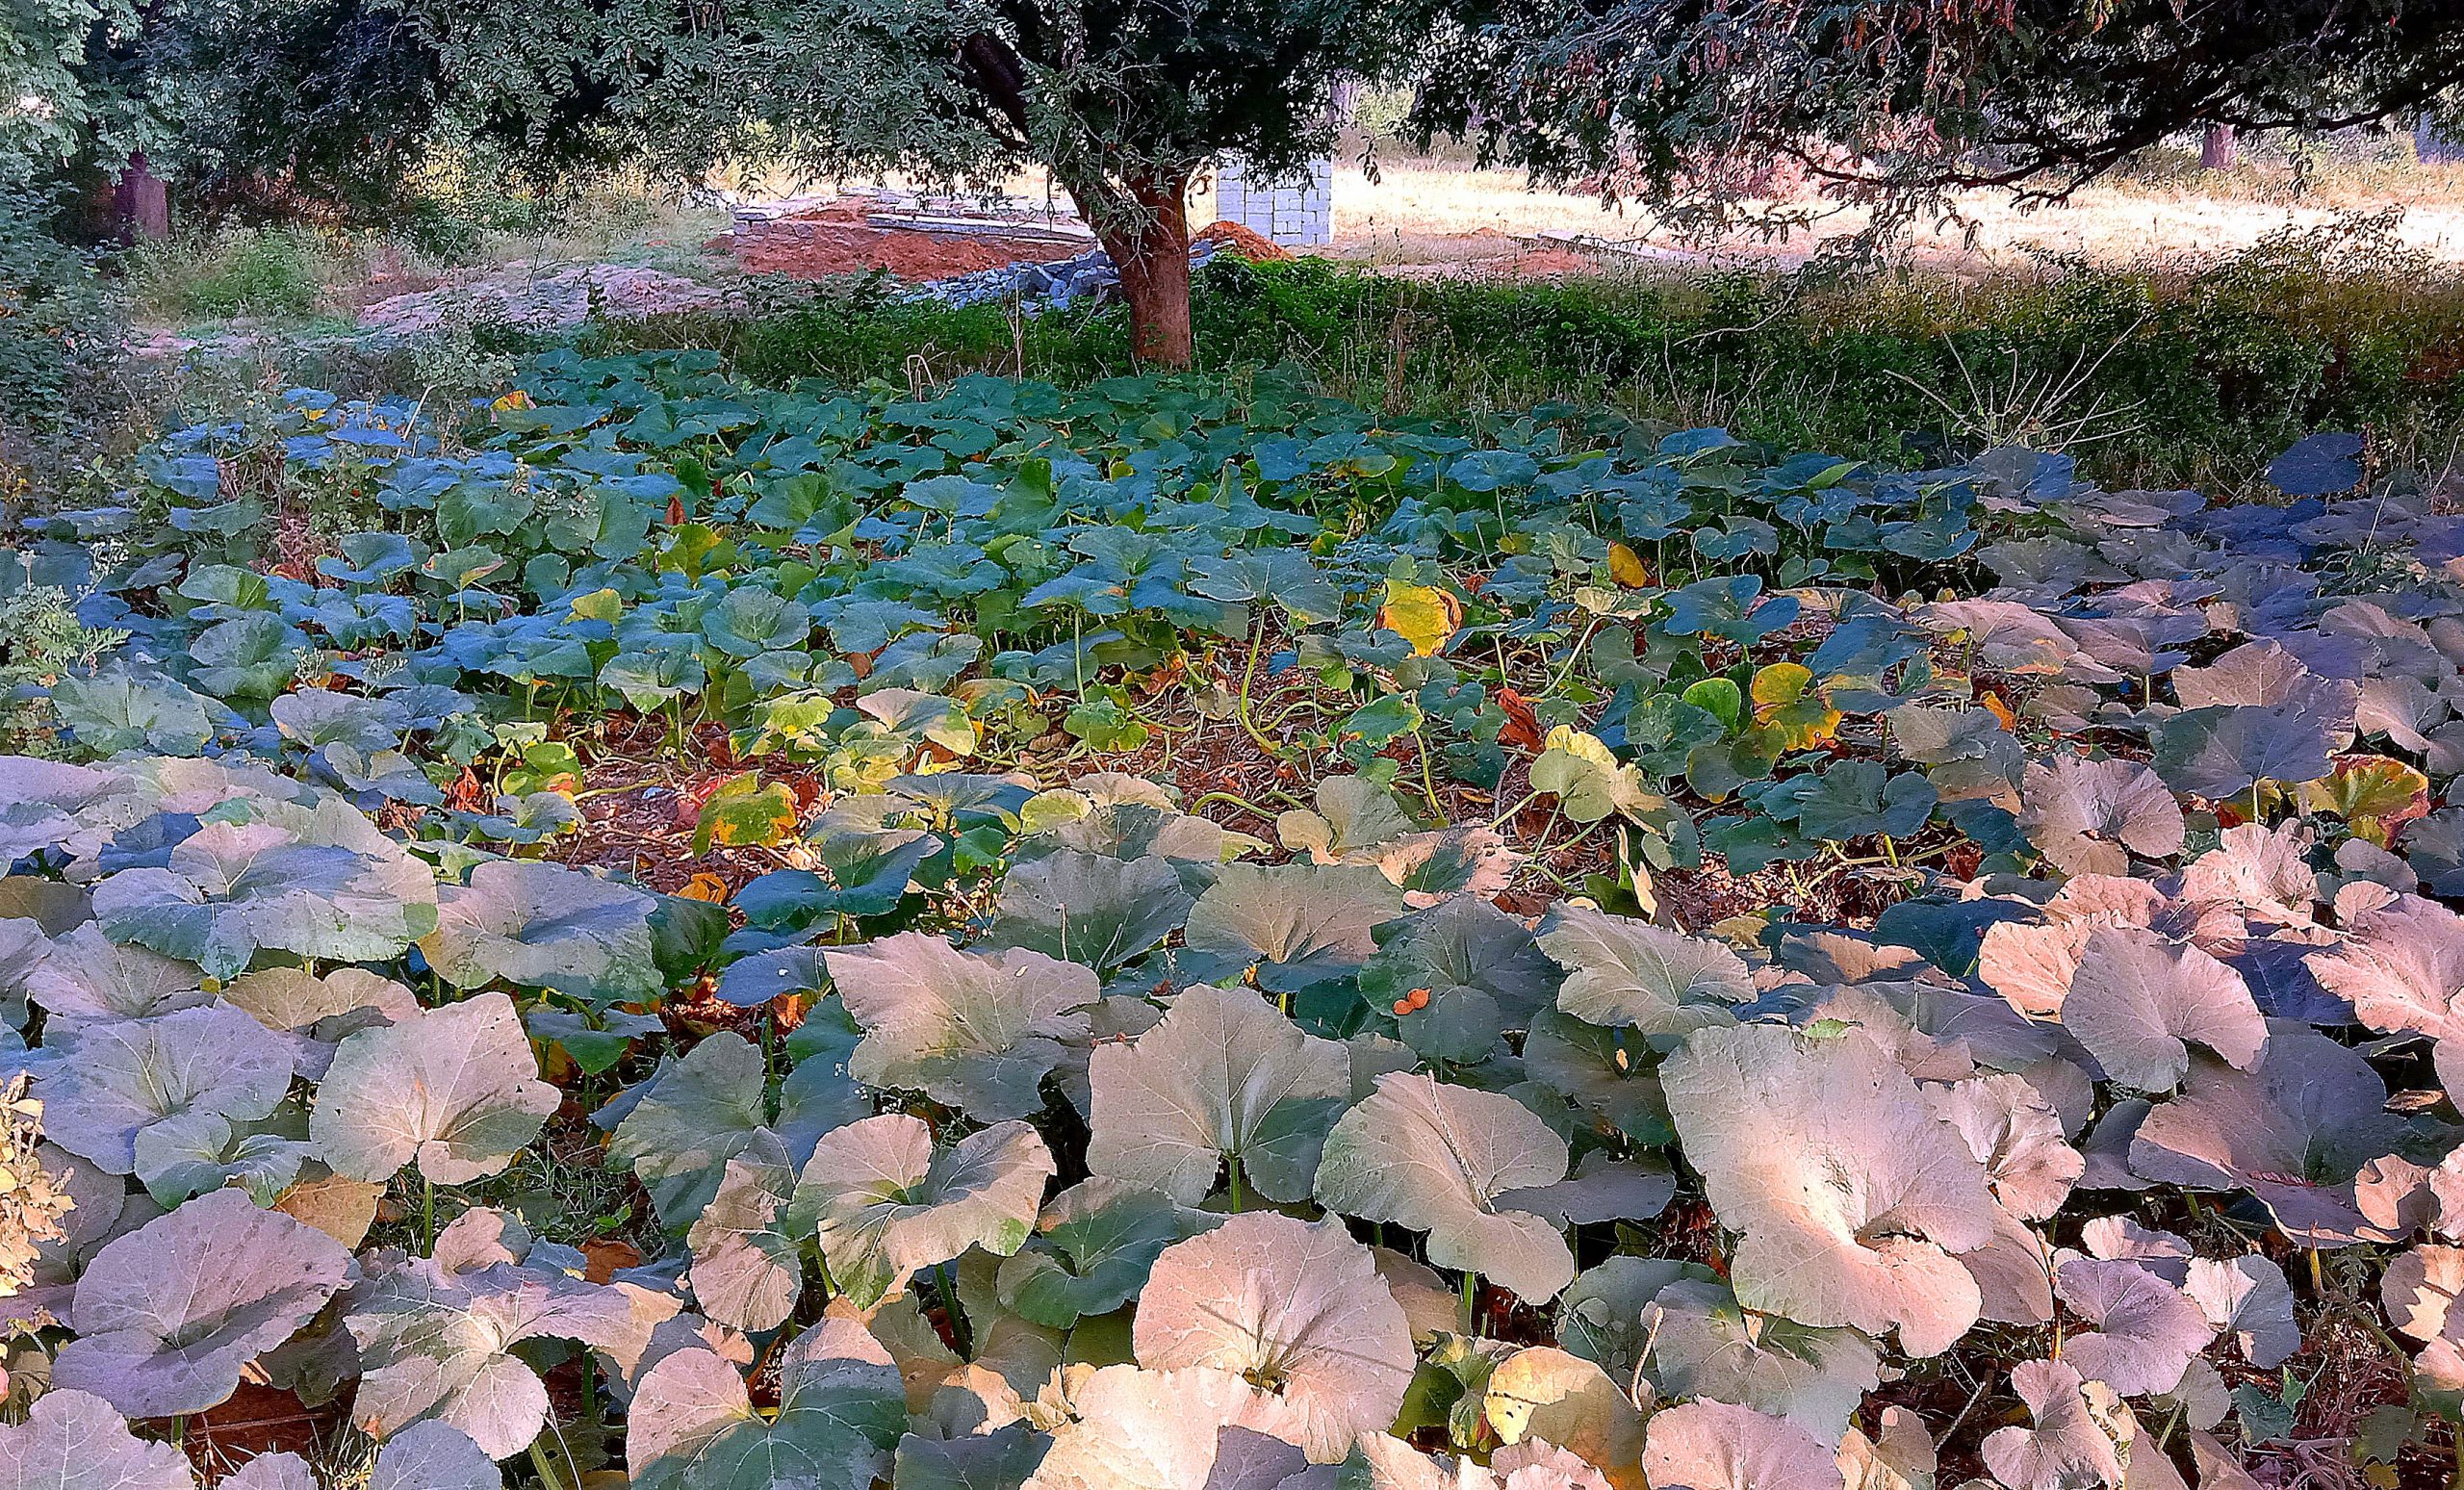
(1122, 101)
(1687, 104)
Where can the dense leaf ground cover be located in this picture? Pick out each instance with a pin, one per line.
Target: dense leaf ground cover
(2161, 373)
(1226, 941)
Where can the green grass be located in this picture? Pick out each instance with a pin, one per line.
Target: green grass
(268, 272)
(2158, 375)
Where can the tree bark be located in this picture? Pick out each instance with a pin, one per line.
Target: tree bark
(1148, 238)
(141, 203)
(2216, 151)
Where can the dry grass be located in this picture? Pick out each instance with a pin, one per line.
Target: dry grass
(1434, 211)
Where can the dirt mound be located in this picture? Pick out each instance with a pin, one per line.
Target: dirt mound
(1232, 238)
(839, 241)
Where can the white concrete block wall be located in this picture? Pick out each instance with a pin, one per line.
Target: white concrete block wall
(1296, 214)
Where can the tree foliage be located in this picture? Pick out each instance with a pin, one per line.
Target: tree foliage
(1690, 104)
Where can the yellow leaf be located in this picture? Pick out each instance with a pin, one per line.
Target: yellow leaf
(516, 399)
(705, 886)
(1421, 614)
(1786, 701)
(1627, 568)
(2374, 794)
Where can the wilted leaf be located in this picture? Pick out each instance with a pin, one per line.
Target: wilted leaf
(1543, 1395)
(1423, 615)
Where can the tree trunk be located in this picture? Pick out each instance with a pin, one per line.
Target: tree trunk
(2216, 151)
(1148, 239)
(141, 203)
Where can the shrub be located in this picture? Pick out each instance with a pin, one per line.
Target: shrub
(59, 326)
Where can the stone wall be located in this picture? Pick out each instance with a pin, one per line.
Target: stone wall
(1296, 214)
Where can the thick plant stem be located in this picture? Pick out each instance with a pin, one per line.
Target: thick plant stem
(540, 1466)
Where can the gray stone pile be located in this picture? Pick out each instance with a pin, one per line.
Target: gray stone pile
(1089, 278)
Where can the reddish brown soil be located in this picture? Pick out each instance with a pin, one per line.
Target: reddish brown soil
(838, 240)
(1238, 239)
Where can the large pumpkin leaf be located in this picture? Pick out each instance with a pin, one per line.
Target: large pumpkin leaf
(1600, 1316)
(1851, 1199)
(1704, 1344)
(2073, 1441)
(1437, 1158)
(2090, 816)
(1718, 1446)
(1223, 1079)
(2293, 1130)
(887, 1203)
(695, 1116)
(1090, 908)
(455, 1088)
(1189, 1429)
(1297, 1309)
(85, 975)
(433, 1456)
(2137, 999)
(544, 926)
(979, 1032)
(747, 1271)
(317, 882)
(1621, 971)
(72, 1438)
(841, 1409)
(1293, 925)
(168, 1317)
(2146, 1334)
(1096, 1243)
(436, 1342)
(113, 1080)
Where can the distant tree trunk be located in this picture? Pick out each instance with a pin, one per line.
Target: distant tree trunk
(2216, 151)
(141, 203)
(1146, 231)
